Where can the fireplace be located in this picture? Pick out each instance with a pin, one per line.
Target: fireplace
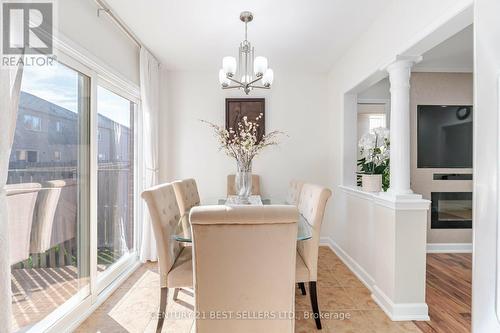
(451, 210)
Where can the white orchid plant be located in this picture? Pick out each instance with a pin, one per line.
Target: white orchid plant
(374, 148)
(243, 143)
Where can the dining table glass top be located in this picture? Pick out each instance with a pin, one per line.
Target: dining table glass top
(182, 231)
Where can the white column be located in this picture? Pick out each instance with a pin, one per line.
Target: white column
(399, 77)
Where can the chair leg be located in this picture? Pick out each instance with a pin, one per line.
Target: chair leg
(314, 303)
(161, 311)
(176, 293)
(302, 288)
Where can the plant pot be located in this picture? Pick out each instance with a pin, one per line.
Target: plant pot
(371, 183)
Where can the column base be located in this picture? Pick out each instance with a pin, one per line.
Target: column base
(402, 201)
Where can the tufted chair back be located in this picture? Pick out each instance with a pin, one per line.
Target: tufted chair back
(311, 206)
(187, 195)
(244, 260)
(231, 188)
(294, 190)
(165, 215)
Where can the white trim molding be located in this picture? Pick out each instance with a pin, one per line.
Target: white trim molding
(400, 311)
(418, 69)
(449, 247)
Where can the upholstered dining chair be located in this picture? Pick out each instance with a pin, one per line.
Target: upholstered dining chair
(231, 188)
(174, 260)
(312, 203)
(186, 192)
(244, 263)
(293, 195)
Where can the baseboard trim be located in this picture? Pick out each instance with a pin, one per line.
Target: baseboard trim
(359, 271)
(449, 247)
(401, 311)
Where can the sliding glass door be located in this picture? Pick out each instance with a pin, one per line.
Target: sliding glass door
(71, 191)
(115, 178)
(48, 193)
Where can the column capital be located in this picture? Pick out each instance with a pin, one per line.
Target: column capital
(403, 62)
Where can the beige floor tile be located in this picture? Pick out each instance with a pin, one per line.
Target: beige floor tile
(346, 305)
(347, 279)
(380, 323)
(348, 322)
(170, 326)
(308, 326)
(362, 298)
(328, 262)
(334, 298)
(325, 274)
(327, 283)
(302, 303)
(100, 324)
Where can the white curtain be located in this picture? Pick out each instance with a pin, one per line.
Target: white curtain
(150, 94)
(10, 86)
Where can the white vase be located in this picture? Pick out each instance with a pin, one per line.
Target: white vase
(371, 183)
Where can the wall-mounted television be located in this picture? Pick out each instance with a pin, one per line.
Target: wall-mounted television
(444, 136)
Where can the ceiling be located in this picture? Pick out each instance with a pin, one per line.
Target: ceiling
(298, 34)
(455, 54)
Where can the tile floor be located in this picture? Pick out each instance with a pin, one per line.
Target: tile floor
(132, 308)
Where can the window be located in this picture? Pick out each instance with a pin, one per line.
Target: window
(32, 156)
(21, 155)
(58, 126)
(32, 123)
(115, 178)
(48, 255)
(376, 120)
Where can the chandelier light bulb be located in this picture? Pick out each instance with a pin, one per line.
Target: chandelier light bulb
(260, 66)
(224, 81)
(229, 65)
(268, 78)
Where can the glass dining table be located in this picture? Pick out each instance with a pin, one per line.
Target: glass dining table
(182, 231)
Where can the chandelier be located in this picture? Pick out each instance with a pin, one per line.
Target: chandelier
(249, 71)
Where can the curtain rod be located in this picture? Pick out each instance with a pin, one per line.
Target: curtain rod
(104, 8)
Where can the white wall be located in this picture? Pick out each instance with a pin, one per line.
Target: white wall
(485, 279)
(379, 91)
(379, 46)
(296, 104)
(77, 20)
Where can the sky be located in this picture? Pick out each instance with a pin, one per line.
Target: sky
(58, 84)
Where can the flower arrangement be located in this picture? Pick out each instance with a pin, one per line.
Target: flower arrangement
(374, 151)
(242, 143)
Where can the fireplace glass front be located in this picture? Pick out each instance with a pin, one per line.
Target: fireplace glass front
(451, 210)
